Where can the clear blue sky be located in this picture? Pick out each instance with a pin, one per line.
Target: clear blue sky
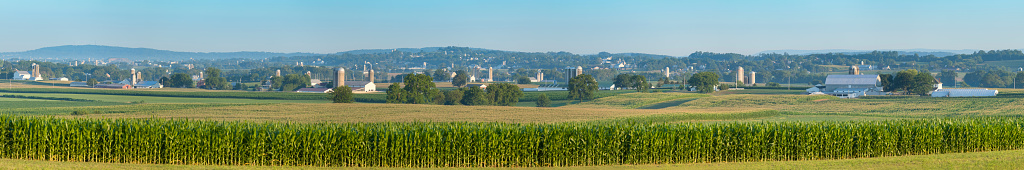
(578, 26)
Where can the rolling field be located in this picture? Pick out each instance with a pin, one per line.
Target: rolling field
(751, 106)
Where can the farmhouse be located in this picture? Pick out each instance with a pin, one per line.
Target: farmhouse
(361, 86)
(315, 90)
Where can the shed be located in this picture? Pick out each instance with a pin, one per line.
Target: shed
(79, 84)
(113, 86)
(315, 90)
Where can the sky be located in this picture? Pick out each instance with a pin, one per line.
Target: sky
(674, 27)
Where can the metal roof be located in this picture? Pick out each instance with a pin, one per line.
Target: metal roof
(871, 79)
(851, 90)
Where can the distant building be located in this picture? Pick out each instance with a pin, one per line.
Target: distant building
(79, 84)
(481, 86)
(571, 72)
(850, 86)
(114, 86)
(148, 85)
(315, 90)
(361, 86)
(22, 75)
(964, 93)
(60, 79)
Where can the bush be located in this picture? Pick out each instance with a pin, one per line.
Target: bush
(543, 101)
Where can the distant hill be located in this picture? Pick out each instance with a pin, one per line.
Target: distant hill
(918, 51)
(81, 52)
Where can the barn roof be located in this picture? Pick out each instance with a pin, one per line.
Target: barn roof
(870, 79)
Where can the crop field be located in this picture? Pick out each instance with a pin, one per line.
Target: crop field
(599, 128)
(971, 160)
(635, 100)
(492, 144)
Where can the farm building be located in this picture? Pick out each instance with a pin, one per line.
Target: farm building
(361, 86)
(60, 79)
(850, 86)
(79, 84)
(315, 90)
(481, 86)
(22, 75)
(964, 93)
(114, 86)
(149, 85)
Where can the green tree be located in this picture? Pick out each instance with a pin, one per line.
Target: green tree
(239, 86)
(947, 77)
(543, 101)
(504, 94)
(1018, 80)
(417, 87)
(438, 96)
(180, 80)
(342, 94)
(475, 96)
(460, 79)
(704, 82)
(276, 82)
(886, 79)
(217, 83)
(904, 80)
(523, 80)
(992, 79)
(211, 72)
(395, 94)
(294, 82)
(91, 82)
(582, 87)
(923, 83)
(623, 81)
(453, 97)
(640, 83)
(440, 75)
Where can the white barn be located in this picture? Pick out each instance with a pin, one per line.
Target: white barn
(361, 86)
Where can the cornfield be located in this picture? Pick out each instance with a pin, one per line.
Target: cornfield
(490, 144)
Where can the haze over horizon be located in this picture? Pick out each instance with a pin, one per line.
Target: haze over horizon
(674, 28)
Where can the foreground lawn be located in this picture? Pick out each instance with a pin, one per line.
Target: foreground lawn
(976, 160)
